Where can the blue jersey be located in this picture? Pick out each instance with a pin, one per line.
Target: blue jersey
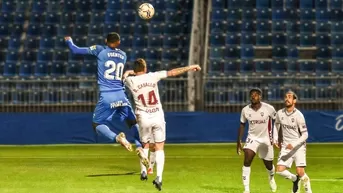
(111, 64)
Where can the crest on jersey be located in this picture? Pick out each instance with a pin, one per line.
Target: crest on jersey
(292, 120)
(93, 47)
(281, 118)
(249, 115)
(262, 114)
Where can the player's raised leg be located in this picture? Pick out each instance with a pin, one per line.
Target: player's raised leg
(152, 158)
(282, 171)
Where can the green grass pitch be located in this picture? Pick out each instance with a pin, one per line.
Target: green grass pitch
(199, 168)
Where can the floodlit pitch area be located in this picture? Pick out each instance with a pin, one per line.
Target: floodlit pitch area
(200, 168)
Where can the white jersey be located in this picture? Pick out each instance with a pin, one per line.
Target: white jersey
(292, 125)
(145, 92)
(260, 122)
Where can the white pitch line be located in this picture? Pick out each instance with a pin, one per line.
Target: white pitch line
(327, 180)
(96, 156)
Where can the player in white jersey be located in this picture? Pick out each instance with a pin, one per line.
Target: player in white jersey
(291, 127)
(259, 116)
(149, 112)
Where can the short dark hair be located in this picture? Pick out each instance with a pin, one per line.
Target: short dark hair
(113, 37)
(139, 65)
(259, 91)
(293, 93)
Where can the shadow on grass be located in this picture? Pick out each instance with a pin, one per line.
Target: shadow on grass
(219, 189)
(114, 174)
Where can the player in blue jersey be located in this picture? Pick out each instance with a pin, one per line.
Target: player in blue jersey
(113, 108)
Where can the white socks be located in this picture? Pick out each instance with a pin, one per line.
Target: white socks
(159, 163)
(143, 168)
(271, 173)
(288, 175)
(246, 178)
(306, 182)
(152, 159)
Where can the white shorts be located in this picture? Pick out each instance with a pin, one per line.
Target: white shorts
(287, 157)
(152, 130)
(265, 151)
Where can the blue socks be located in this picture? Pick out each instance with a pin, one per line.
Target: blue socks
(105, 131)
(136, 135)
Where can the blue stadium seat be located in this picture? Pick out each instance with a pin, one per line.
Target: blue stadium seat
(174, 41)
(60, 55)
(321, 4)
(31, 42)
(129, 4)
(173, 16)
(231, 66)
(307, 14)
(34, 30)
(232, 52)
(336, 14)
(158, 17)
(128, 16)
(307, 40)
(110, 28)
(248, 38)
(25, 69)
(138, 53)
(139, 42)
(69, 5)
(73, 69)
(6, 17)
(10, 69)
(112, 17)
(278, 26)
(39, 6)
(279, 39)
(292, 15)
(336, 4)
(278, 14)
(293, 39)
(323, 66)
(322, 27)
(12, 55)
(74, 58)
(234, 4)
(263, 14)
(279, 51)
(292, 27)
(172, 28)
(218, 14)
(247, 52)
(36, 18)
(46, 42)
(323, 52)
(292, 66)
(306, 94)
(248, 14)
(216, 52)
(279, 66)
(126, 41)
(156, 28)
(277, 4)
(60, 42)
(13, 43)
(291, 4)
(292, 52)
(113, 5)
(263, 39)
(233, 26)
(263, 26)
(85, 5)
(97, 17)
(3, 55)
(95, 40)
(308, 4)
(67, 18)
(337, 53)
(126, 29)
(23, 5)
(216, 39)
(262, 3)
(89, 69)
(8, 6)
(247, 66)
(263, 66)
(57, 69)
(52, 17)
(337, 27)
(216, 66)
(337, 66)
(16, 30)
(248, 26)
(324, 93)
(337, 39)
(5, 30)
(44, 56)
(233, 14)
(141, 29)
(80, 30)
(155, 41)
(29, 56)
(50, 96)
(307, 27)
(95, 29)
(307, 66)
(232, 39)
(323, 39)
(153, 54)
(218, 26)
(83, 17)
(98, 5)
(323, 14)
(19, 18)
(170, 54)
(4, 42)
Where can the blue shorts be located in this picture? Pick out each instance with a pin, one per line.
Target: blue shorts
(113, 108)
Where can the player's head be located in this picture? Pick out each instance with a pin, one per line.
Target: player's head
(139, 66)
(255, 95)
(113, 40)
(290, 99)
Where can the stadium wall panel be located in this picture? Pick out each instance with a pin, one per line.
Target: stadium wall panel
(196, 127)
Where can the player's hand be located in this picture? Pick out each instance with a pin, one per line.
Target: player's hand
(277, 144)
(131, 72)
(289, 146)
(67, 38)
(195, 67)
(239, 147)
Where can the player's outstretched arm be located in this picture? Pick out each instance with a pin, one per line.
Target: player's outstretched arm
(239, 138)
(128, 73)
(181, 70)
(75, 49)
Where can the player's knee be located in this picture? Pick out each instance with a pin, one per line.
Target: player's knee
(280, 169)
(159, 146)
(300, 171)
(152, 147)
(247, 163)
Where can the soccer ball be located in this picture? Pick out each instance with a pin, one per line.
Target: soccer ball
(146, 11)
